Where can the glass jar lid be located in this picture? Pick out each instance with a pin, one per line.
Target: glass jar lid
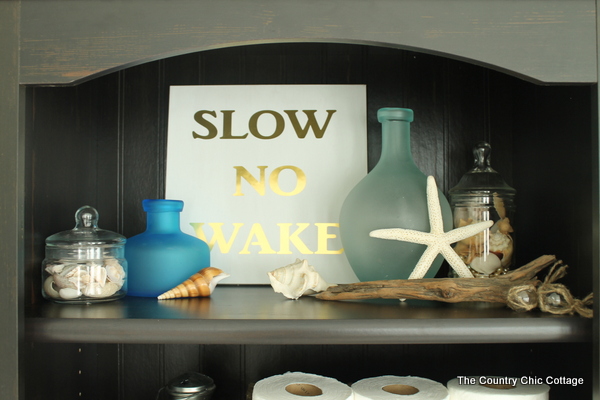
(191, 382)
(482, 178)
(86, 232)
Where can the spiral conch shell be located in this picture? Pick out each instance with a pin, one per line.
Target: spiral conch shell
(297, 279)
(201, 284)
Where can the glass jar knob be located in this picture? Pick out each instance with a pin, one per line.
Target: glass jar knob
(86, 217)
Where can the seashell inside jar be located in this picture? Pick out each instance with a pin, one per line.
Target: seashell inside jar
(86, 264)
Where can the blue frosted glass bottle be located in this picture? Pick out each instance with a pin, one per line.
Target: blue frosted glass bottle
(392, 195)
(163, 256)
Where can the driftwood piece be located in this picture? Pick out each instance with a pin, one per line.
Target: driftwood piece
(450, 290)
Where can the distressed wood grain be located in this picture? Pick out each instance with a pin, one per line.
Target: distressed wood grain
(546, 41)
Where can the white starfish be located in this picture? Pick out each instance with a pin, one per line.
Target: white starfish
(437, 240)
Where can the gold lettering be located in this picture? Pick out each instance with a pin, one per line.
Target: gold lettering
(253, 124)
(261, 241)
(218, 237)
(257, 237)
(212, 130)
(285, 238)
(300, 180)
(241, 172)
(227, 134)
(311, 123)
(323, 236)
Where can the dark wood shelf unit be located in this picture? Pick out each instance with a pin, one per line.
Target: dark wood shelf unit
(83, 111)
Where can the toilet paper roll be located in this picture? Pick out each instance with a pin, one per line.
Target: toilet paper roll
(300, 385)
(389, 387)
(496, 388)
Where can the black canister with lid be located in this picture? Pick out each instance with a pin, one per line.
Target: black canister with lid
(190, 386)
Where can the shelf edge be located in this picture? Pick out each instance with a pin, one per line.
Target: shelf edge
(367, 331)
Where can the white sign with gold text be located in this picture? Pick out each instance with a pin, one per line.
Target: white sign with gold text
(263, 171)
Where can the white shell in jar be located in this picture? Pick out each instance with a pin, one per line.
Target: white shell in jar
(69, 293)
(101, 291)
(115, 272)
(49, 288)
(486, 264)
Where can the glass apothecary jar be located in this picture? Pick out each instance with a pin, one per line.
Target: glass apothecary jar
(86, 264)
(483, 195)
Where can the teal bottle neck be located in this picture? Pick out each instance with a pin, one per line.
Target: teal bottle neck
(162, 222)
(395, 145)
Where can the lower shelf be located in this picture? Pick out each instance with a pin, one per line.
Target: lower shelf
(257, 315)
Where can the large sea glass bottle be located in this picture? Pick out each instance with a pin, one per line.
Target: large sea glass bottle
(392, 195)
(163, 256)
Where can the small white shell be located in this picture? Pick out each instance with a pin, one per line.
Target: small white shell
(63, 282)
(115, 272)
(92, 289)
(55, 269)
(297, 279)
(79, 277)
(486, 264)
(49, 288)
(69, 293)
(97, 291)
(97, 274)
(69, 270)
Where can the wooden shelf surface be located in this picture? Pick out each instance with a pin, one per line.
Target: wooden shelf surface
(64, 42)
(258, 315)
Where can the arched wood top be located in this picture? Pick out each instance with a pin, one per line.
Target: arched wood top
(65, 42)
